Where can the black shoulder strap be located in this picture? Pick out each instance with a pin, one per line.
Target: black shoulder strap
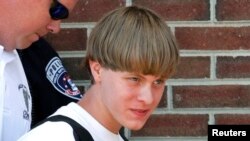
(80, 133)
(121, 132)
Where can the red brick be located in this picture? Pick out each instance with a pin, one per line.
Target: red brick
(233, 67)
(213, 38)
(211, 96)
(168, 9)
(163, 102)
(193, 67)
(174, 125)
(93, 10)
(233, 10)
(68, 39)
(234, 119)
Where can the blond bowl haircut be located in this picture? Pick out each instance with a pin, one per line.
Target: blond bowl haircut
(133, 39)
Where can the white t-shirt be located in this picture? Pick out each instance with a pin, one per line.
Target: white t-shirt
(51, 131)
(15, 98)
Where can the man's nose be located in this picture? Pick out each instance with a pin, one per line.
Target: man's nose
(146, 95)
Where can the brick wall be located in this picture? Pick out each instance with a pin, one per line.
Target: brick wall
(212, 83)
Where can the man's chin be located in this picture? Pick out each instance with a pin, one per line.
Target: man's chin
(136, 126)
(24, 46)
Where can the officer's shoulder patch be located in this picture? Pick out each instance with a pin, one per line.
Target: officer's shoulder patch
(59, 78)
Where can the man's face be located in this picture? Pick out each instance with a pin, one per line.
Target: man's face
(129, 98)
(31, 19)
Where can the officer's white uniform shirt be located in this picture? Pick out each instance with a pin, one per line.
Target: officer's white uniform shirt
(61, 131)
(15, 98)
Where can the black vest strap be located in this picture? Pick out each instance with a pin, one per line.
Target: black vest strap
(80, 133)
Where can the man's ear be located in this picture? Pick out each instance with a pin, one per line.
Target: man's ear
(95, 68)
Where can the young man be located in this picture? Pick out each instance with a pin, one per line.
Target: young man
(130, 55)
(22, 22)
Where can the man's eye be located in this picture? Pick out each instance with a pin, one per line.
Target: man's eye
(134, 79)
(159, 82)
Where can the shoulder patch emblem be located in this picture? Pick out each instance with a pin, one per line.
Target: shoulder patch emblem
(59, 78)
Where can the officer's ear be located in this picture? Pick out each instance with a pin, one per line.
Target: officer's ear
(95, 68)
